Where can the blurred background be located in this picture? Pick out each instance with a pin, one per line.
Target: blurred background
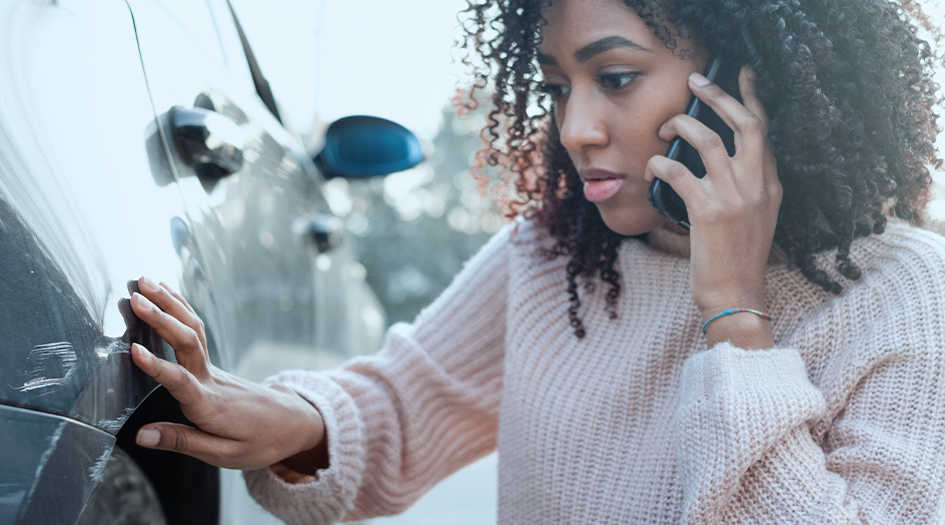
(327, 59)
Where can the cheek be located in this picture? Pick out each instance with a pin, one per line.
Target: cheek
(637, 133)
(637, 138)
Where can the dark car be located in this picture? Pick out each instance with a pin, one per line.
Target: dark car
(140, 137)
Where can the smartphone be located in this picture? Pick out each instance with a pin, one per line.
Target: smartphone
(662, 196)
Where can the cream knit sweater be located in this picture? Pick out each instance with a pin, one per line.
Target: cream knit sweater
(843, 422)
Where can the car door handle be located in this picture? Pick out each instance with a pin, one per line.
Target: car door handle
(207, 137)
(322, 230)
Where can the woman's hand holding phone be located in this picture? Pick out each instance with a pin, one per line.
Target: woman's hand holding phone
(733, 210)
(239, 424)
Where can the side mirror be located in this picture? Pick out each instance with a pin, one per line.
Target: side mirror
(360, 147)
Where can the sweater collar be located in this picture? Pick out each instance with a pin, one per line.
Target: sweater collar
(670, 242)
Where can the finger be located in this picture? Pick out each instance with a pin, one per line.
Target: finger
(172, 304)
(689, 188)
(178, 296)
(748, 128)
(748, 88)
(182, 338)
(192, 320)
(175, 378)
(746, 85)
(215, 450)
(706, 141)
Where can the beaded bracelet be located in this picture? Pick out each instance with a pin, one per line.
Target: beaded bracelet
(735, 311)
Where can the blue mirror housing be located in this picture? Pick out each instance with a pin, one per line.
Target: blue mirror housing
(360, 147)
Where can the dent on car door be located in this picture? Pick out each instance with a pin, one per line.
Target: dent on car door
(86, 202)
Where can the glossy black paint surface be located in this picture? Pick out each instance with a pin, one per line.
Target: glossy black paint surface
(41, 456)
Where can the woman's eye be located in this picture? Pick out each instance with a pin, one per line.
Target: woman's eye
(614, 81)
(556, 91)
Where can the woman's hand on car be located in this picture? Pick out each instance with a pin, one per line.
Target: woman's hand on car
(239, 424)
(733, 209)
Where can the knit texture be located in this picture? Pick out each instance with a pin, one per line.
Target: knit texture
(639, 423)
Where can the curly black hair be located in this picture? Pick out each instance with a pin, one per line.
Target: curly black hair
(847, 86)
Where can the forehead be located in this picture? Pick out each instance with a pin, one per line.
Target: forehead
(572, 24)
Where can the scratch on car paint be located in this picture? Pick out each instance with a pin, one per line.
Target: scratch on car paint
(96, 470)
(53, 441)
(112, 426)
(49, 365)
(115, 346)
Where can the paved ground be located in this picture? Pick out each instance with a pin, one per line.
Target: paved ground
(465, 498)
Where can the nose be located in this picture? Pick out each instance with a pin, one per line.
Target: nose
(580, 125)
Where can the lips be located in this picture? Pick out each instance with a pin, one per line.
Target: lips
(600, 185)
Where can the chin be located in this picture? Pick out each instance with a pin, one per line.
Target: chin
(633, 222)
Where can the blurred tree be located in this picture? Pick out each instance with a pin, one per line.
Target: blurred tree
(418, 227)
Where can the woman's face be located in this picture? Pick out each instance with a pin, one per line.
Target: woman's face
(614, 84)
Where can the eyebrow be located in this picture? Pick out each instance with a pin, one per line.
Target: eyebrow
(547, 60)
(605, 44)
(593, 49)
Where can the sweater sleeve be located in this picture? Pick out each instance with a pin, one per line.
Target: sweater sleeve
(747, 453)
(402, 420)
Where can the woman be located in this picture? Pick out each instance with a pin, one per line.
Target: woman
(627, 371)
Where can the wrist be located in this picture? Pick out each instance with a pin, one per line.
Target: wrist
(744, 330)
(309, 452)
(713, 304)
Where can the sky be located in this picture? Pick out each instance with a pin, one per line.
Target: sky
(334, 58)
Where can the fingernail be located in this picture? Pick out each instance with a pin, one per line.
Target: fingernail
(148, 283)
(699, 80)
(143, 352)
(142, 301)
(148, 437)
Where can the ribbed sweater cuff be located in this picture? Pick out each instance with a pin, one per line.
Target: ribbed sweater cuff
(735, 405)
(727, 370)
(331, 492)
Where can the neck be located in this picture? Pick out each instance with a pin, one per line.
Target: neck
(675, 228)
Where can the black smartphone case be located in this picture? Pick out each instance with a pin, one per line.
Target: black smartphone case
(662, 196)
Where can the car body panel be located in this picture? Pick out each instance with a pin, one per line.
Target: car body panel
(41, 454)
